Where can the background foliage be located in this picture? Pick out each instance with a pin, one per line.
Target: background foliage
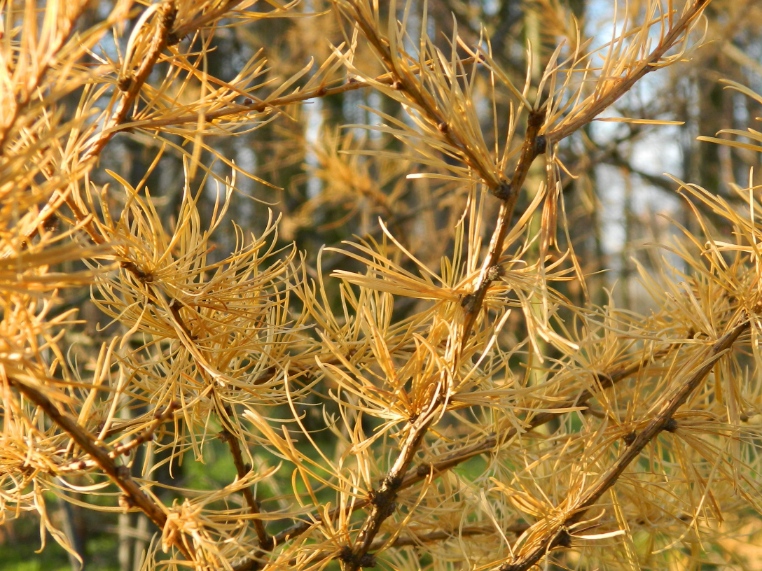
(334, 285)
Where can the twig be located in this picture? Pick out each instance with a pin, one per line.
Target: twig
(147, 435)
(257, 106)
(624, 84)
(482, 446)
(242, 469)
(12, 112)
(662, 421)
(125, 449)
(405, 83)
(167, 13)
(382, 500)
(443, 535)
(120, 475)
(535, 144)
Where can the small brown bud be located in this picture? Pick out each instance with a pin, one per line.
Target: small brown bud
(504, 191)
(125, 502)
(540, 145)
(468, 302)
(124, 82)
(671, 425)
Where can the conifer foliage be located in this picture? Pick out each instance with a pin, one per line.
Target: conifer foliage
(447, 384)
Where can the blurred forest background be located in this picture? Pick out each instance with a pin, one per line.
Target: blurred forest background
(618, 202)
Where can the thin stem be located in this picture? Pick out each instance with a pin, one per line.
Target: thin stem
(15, 110)
(166, 16)
(625, 83)
(662, 421)
(482, 446)
(405, 82)
(242, 469)
(120, 475)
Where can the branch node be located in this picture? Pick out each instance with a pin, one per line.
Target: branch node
(348, 556)
(494, 272)
(124, 82)
(424, 470)
(563, 539)
(468, 302)
(540, 145)
(671, 425)
(504, 191)
(126, 502)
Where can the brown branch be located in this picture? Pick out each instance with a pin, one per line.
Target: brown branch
(166, 16)
(125, 449)
(242, 469)
(404, 81)
(32, 85)
(482, 446)
(259, 105)
(408, 540)
(488, 443)
(533, 145)
(444, 535)
(663, 421)
(147, 434)
(254, 107)
(134, 496)
(382, 500)
(646, 65)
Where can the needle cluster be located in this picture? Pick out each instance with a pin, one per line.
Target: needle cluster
(443, 391)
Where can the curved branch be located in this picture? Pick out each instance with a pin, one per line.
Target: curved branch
(482, 446)
(166, 16)
(662, 421)
(120, 475)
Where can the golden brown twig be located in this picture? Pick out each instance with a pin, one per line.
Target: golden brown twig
(120, 475)
(133, 84)
(484, 444)
(662, 421)
(265, 541)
